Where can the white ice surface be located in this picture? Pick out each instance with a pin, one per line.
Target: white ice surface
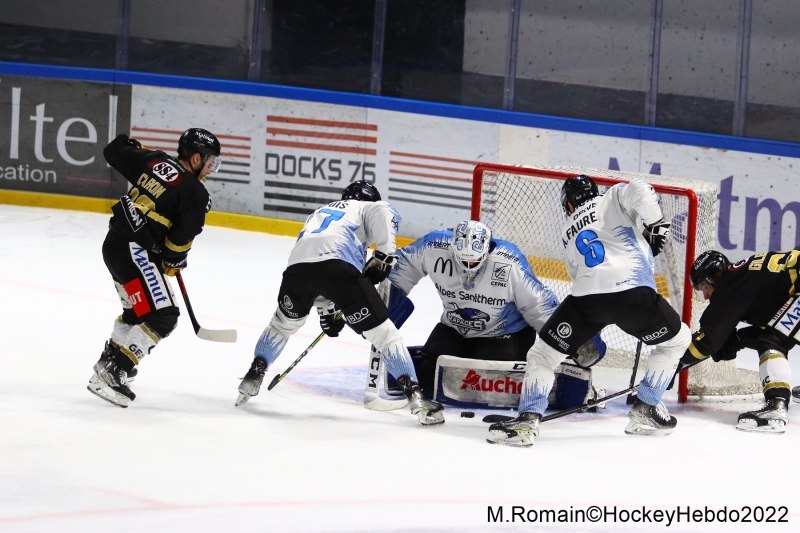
(306, 456)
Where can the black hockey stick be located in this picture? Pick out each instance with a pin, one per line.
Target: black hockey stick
(277, 379)
(216, 335)
(630, 399)
(490, 419)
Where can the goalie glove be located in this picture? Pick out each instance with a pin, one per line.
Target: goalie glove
(330, 320)
(379, 266)
(656, 235)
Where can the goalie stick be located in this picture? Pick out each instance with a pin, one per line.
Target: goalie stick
(490, 419)
(216, 335)
(372, 399)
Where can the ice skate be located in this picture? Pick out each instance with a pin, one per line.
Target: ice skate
(106, 356)
(518, 432)
(429, 412)
(251, 383)
(772, 418)
(646, 419)
(110, 379)
(796, 394)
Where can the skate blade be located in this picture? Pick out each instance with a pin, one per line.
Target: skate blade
(795, 398)
(242, 399)
(520, 440)
(635, 428)
(775, 427)
(430, 419)
(98, 387)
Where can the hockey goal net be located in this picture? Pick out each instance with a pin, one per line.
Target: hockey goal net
(522, 204)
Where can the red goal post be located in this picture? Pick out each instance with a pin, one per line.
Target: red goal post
(522, 204)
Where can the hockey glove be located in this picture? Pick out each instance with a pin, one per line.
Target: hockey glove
(656, 235)
(379, 266)
(172, 267)
(329, 322)
(730, 348)
(134, 143)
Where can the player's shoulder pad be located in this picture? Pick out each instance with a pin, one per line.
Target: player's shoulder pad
(435, 240)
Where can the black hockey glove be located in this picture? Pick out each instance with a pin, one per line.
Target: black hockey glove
(330, 320)
(172, 267)
(134, 143)
(730, 348)
(656, 235)
(379, 266)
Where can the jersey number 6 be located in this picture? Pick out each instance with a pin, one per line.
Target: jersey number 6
(591, 249)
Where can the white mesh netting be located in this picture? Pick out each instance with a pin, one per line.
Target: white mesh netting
(522, 205)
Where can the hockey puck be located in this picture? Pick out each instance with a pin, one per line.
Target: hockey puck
(467, 414)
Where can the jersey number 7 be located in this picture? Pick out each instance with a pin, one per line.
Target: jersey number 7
(333, 214)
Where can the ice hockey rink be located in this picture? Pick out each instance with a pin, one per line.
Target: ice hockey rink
(307, 456)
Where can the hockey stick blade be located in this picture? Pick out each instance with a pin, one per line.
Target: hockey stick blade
(377, 403)
(215, 335)
(491, 419)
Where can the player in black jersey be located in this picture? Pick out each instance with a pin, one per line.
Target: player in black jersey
(149, 236)
(762, 291)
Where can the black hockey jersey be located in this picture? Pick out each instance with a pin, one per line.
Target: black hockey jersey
(752, 291)
(166, 204)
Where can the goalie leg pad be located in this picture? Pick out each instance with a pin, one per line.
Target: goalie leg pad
(478, 384)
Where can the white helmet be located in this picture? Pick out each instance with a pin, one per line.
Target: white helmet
(471, 248)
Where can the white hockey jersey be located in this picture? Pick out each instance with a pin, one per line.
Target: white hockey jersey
(344, 229)
(506, 295)
(604, 250)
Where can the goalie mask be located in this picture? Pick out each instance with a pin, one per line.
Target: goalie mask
(471, 241)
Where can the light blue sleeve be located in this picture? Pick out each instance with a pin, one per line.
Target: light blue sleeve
(410, 266)
(534, 300)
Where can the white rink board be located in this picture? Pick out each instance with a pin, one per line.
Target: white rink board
(305, 457)
(421, 163)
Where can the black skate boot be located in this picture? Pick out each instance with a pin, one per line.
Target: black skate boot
(646, 419)
(796, 394)
(518, 432)
(110, 380)
(105, 357)
(251, 383)
(429, 412)
(771, 419)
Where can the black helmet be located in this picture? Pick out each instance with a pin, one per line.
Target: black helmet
(361, 190)
(705, 266)
(577, 190)
(196, 140)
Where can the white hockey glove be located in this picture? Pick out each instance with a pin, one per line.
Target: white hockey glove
(656, 235)
(330, 323)
(379, 266)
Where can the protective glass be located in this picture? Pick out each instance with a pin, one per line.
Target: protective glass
(213, 162)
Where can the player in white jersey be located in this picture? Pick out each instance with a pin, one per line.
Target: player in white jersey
(611, 264)
(325, 269)
(493, 302)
